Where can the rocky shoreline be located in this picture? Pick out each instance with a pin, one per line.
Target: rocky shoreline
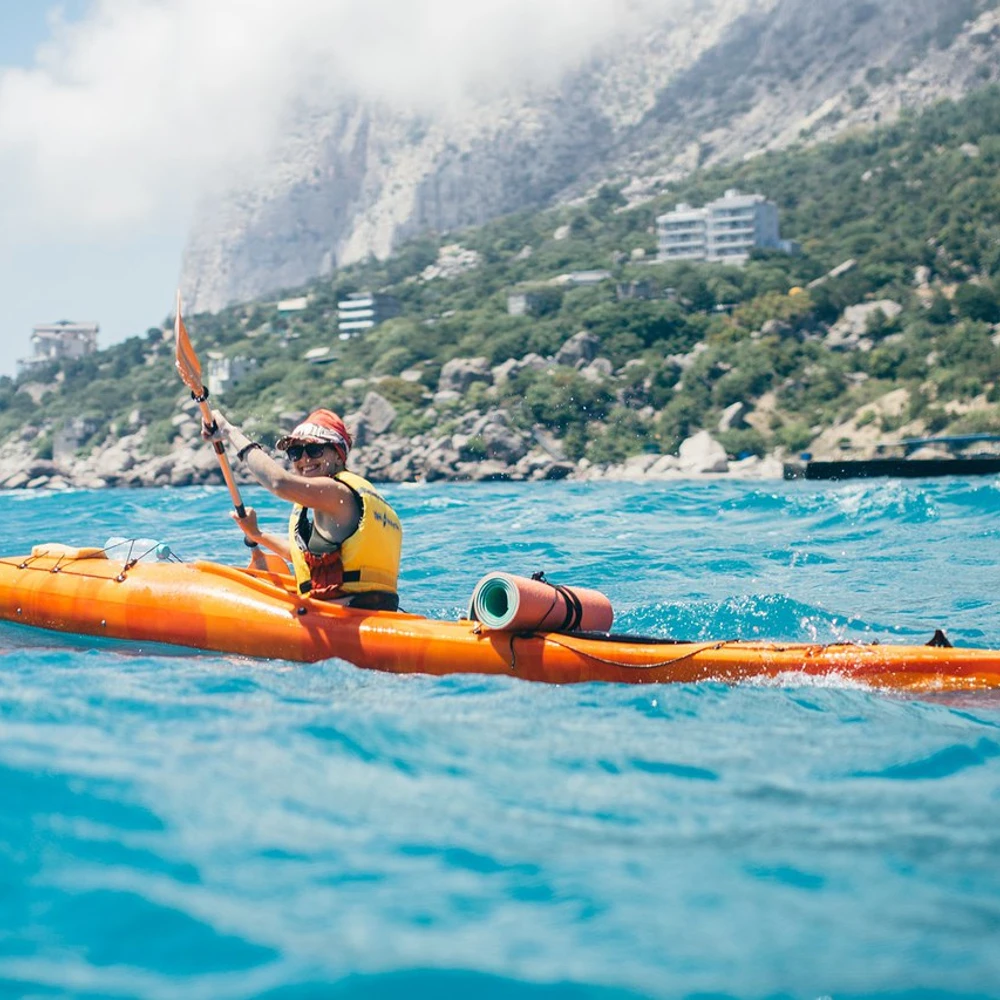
(391, 459)
(467, 443)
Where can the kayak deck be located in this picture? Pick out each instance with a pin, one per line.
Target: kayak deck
(208, 606)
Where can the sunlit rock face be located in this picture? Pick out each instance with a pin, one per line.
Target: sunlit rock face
(702, 83)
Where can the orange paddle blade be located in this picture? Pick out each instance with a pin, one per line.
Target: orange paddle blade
(186, 360)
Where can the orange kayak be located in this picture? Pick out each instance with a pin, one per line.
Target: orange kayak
(257, 613)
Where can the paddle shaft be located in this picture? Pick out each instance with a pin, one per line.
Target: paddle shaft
(227, 472)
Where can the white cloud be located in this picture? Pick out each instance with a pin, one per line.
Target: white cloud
(128, 112)
(131, 112)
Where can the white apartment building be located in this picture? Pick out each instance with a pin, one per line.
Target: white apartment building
(726, 229)
(362, 311)
(683, 233)
(60, 341)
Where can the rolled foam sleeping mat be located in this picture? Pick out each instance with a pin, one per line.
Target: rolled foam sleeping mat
(503, 601)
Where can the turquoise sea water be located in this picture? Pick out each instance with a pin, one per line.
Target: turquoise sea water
(203, 826)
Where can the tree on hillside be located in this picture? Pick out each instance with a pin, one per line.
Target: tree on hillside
(978, 303)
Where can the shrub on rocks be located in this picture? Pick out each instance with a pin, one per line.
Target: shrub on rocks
(564, 400)
(743, 442)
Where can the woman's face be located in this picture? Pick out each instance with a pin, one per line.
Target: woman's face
(326, 463)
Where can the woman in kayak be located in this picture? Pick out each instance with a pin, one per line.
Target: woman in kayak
(344, 539)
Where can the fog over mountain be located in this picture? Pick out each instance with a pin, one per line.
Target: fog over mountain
(304, 135)
(657, 90)
(463, 126)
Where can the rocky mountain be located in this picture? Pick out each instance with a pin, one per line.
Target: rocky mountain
(708, 82)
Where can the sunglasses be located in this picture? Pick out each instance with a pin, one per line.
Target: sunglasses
(295, 451)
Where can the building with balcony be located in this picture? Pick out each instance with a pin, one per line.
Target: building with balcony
(363, 311)
(724, 230)
(62, 341)
(683, 233)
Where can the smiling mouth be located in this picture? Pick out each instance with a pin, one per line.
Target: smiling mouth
(310, 469)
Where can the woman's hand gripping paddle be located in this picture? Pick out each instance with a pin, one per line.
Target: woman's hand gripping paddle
(189, 368)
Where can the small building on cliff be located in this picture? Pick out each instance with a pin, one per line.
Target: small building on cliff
(61, 341)
(225, 372)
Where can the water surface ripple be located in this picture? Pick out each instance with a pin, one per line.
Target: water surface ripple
(198, 825)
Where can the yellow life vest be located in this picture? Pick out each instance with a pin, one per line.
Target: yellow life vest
(367, 560)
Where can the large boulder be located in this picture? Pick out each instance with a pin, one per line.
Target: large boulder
(849, 332)
(734, 416)
(41, 467)
(438, 460)
(636, 466)
(665, 467)
(512, 367)
(701, 453)
(505, 371)
(582, 346)
(597, 370)
(503, 443)
(291, 418)
(403, 469)
(459, 374)
(752, 467)
(682, 362)
(111, 462)
(375, 417)
(157, 471)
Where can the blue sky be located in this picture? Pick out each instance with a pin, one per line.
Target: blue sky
(24, 24)
(123, 277)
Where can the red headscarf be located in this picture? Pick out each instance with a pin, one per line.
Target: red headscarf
(320, 427)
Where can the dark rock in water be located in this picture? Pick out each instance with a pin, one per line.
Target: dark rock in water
(558, 470)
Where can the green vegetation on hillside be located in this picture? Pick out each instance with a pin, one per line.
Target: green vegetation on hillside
(923, 193)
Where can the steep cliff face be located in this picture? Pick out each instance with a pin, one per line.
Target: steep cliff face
(716, 81)
(806, 71)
